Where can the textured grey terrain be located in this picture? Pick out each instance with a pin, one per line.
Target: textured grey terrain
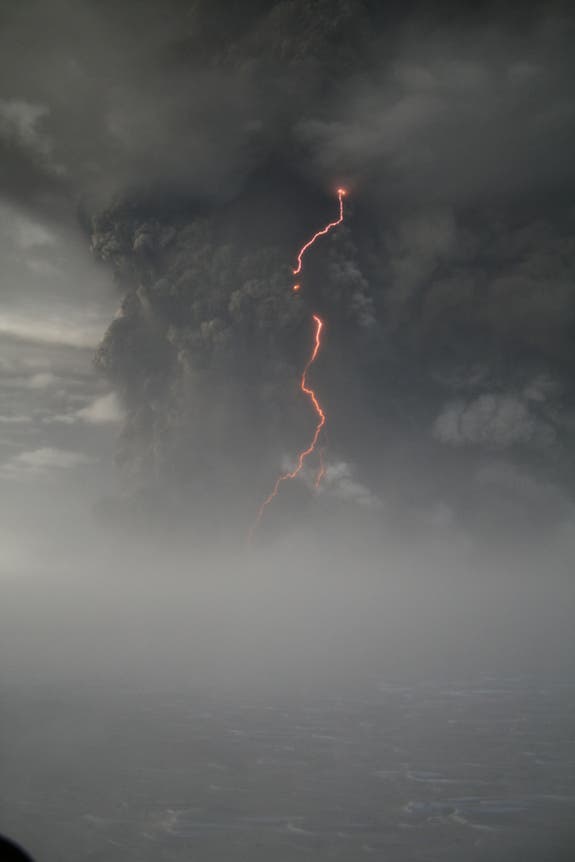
(478, 769)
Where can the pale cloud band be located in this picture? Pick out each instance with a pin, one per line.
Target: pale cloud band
(51, 330)
(42, 461)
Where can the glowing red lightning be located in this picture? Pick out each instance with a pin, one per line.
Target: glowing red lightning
(305, 388)
(340, 194)
(320, 423)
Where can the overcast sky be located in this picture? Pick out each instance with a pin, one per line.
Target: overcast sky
(57, 419)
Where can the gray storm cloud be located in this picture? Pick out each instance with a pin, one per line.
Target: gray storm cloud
(204, 155)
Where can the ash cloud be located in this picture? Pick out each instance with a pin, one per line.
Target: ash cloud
(205, 143)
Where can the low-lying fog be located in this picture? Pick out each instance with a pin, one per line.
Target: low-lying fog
(296, 612)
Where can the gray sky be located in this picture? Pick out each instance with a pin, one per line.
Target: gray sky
(57, 419)
(448, 294)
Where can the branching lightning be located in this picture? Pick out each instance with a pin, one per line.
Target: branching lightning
(304, 386)
(320, 471)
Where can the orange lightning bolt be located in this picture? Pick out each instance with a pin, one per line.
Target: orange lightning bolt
(320, 423)
(305, 388)
(340, 194)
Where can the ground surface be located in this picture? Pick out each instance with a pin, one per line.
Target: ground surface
(477, 769)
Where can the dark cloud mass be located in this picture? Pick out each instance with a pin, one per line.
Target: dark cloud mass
(203, 141)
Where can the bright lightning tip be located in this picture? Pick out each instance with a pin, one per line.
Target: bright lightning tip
(296, 287)
(341, 192)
